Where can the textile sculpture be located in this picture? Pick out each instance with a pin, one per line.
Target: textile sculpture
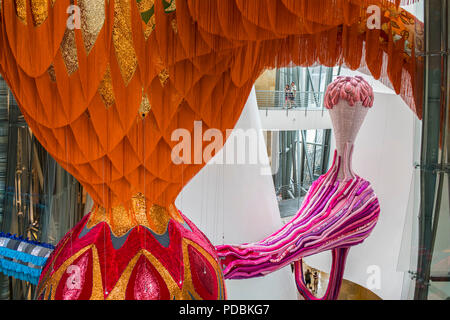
(340, 209)
(103, 93)
(170, 260)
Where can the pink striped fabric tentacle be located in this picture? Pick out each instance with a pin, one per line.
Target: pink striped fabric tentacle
(335, 214)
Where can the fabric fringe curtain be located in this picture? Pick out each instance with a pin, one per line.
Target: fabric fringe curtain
(104, 99)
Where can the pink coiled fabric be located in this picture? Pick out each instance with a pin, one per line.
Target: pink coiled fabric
(334, 214)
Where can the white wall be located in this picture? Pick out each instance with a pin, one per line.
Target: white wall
(383, 155)
(236, 204)
(295, 119)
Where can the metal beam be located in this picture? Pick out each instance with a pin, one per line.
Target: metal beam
(434, 83)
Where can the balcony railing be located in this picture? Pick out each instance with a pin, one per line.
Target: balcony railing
(268, 99)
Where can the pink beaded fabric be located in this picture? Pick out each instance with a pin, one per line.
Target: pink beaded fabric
(339, 211)
(351, 89)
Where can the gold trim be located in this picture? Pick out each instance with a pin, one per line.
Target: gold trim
(21, 10)
(105, 89)
(163, 76)
(145, 5)
(123, 40)
(97, 285)
(39, 9)
(121, 220)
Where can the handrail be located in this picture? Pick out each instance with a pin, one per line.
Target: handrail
(304, 187)
(269, 99)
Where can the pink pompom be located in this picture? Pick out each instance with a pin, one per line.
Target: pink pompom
(352, 89)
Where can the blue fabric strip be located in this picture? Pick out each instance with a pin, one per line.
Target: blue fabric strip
(20, 271)
(15, 237)
(22, 256)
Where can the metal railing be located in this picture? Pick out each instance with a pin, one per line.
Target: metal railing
(268, 99)
(290, 198)
(293, 190)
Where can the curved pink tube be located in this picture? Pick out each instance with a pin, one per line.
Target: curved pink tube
(334, 214)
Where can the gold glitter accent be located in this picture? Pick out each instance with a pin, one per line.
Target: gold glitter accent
(140, 209)
(119, 291)
(105, 89)
(145, 5)
(145, 107)
(121, 220)
(188, 285)
(98, 215)
(184, 290)
(163, 76)
(51, 73)
(92, 20)
(69, 51)
(97, 286)
(172, 7)
(21, 10)
(39, 8)
(174, 25)
(187, 289)
(150, 27)
(158, 218)
(123, 40)
(42, 284)
(173, 287)
(120, 288)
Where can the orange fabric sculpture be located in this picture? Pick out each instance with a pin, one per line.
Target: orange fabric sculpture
(104, 97)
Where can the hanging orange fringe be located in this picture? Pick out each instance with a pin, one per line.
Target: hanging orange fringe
(104, 99)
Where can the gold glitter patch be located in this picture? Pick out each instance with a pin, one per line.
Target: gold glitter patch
(158, 218)
(39, 9)
(105, 89)
(145, 107)
(121, 220)
(123, 40)
(92, 20)
(163, 76)
(145, 5)
(56, 253)
(97, 286)
(150, 27)
(140, 209)
(98, 215)
(120, 288)
(21, 10)
(69, 51)
(188, 285)
(172, 7)
(173, 287)
(51, 73)
(145, 8)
